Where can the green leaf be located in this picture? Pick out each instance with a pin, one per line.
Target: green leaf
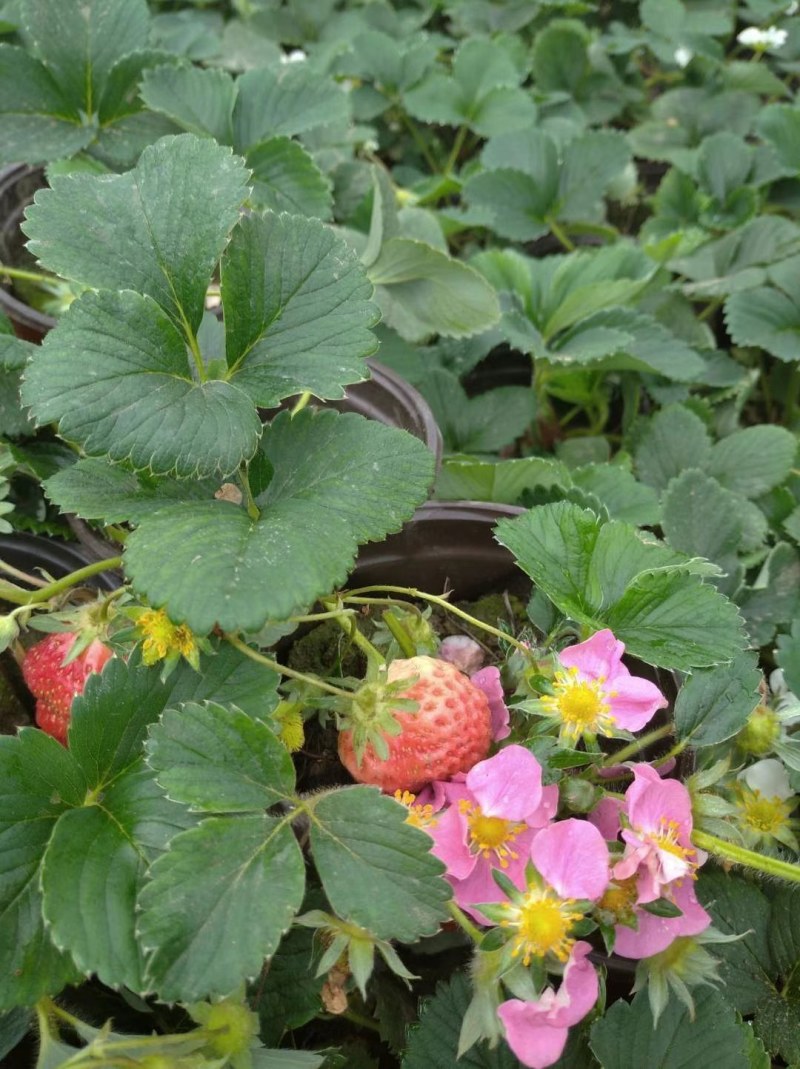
(606, 575)
(217, 759)
(625, 1037)
(753, 460)
(36, 122)
(137, 399)
(297, 309)
(80, 41)
(226, 676)
(766, 318)
(559, 58)
(481, 93)
(284, 101)
(158, 229)
(701, 518)
(96, 850)
(780, 125)
(505, 481)
(290, 995)
(622, 495)
(423, 291)
(784, 929)
(218, 903)
(739, 260)
(14, 354)
(481, 424)
(739, 907)
(39, 781)
(675, 439)
(714, 703)
(97, 490)
(590, 163)
(339, 480)
(787, 656)
(516, 203)
(433, 1043)
(377, 871)
(773, 598)
(13, 1026)
(200, 101)
(110, 719)
(286, 179)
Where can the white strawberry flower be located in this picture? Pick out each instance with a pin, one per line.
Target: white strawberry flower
(683, 56)
(772, 37)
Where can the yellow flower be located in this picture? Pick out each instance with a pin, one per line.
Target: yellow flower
(163, 639)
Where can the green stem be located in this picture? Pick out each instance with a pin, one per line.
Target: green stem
(283, 670)
(463, 921)
(739, 855)
(28, 276)
(314, 617)
(458, 144)
(443, 603)
(400, 634)
(418, 139)
(34, 580)
(561, 234)
(301, 403)
(59, 586)
(348, 625)
(638, 744)
(253, 510)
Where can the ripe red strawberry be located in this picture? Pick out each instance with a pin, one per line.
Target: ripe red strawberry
(387, 745)
(55, 684)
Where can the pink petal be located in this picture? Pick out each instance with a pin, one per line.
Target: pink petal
(479, 885)
(634, 701)
(488, 680)
(450, 839)
(651, 802)
(535, 1043)
(537, 1031)
(605, 817)
(462, 651)
(656, 933)
(572, 856)
(598, 656)
(507, 785)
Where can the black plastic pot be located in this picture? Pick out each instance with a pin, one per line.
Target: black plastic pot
(18, 184)
(447, 545)
(36, 554)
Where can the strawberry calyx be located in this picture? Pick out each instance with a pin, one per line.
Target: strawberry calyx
(371, 714)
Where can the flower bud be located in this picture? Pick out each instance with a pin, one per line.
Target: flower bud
(761, 731)
(462, 651)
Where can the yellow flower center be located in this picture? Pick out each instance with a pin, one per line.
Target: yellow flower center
(419, 816)
(162, 637)
(581, 705)
(491, 835)
(666, 840)
(291, 730)
(763, 815)
(619, 898)
(542, 922)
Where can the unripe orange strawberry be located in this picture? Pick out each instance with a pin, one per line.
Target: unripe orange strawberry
(55, 684)
(389, 745)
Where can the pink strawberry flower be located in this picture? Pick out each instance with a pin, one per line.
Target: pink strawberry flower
(537, 1031)
(488, 680)
(659, 847)
(595, 694)
(490, 822)
(654, 934)
(570, 859)
(659, 862)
